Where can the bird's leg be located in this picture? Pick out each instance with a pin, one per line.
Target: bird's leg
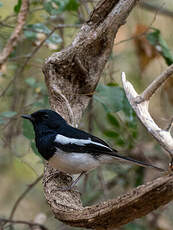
(77, 179)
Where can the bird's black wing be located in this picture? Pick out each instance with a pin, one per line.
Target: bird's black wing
(75, 140)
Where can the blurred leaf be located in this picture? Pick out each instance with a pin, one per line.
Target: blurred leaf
(72, 5)
(8, 114)
(54, 38)
(111, 134)
(139, 176)
(30, 34)
(31, 82)
(34, 148)
(2, 121)
(1, 4)
(49, 7)
(112, 120)
(120, 142)
(31, 30)
(17, 6)
(40, 28)
(161, 46)
(54, 7)
(130, 114)
(134, 226)
(111, 97)
(145, 51)
(135, 134)
(28, 131)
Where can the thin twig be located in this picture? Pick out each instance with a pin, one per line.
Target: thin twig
(26, 61)
(153, 7)
(141, 34)
(30, 224)
(12, 42)
(150, 90)
(28, 58)
(20, 198)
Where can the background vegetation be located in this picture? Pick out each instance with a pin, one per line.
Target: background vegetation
(142, 49)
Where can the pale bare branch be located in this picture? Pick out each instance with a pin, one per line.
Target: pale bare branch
(150, 90)
(140, 105)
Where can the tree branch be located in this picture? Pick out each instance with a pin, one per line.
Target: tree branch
(156, 8)
(74, 72)
(150, 90)
(113, 213)
(12, 42)
(140, 105)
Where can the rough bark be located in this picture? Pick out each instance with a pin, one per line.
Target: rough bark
(71, 77)
(113, 213)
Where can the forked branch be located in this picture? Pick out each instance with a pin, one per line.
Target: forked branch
(140, 105)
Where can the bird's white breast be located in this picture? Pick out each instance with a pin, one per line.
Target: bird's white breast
(73, 163)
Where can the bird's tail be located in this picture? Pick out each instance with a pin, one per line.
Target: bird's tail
(134, 161)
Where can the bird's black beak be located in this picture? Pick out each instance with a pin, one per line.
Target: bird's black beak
(29, 117)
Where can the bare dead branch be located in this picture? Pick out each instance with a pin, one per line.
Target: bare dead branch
(150, 90)
(140, 105)
(75, 71)
(13, 40)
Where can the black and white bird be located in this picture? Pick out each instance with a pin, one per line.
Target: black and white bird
(71, 150)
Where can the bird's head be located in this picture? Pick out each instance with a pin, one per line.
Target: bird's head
(46, 118)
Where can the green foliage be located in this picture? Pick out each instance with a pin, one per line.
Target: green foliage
(17, 6)
(155, 39)
(123, 131)
(32, 30)
(28, 132)
(31, 82)
(54, 7)
(111, 97)
(112, 120)
(40, 92)
(134, 226)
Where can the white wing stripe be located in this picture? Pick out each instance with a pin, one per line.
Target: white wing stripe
(81, 142)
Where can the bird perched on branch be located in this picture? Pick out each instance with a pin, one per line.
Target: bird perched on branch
(71, 150)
